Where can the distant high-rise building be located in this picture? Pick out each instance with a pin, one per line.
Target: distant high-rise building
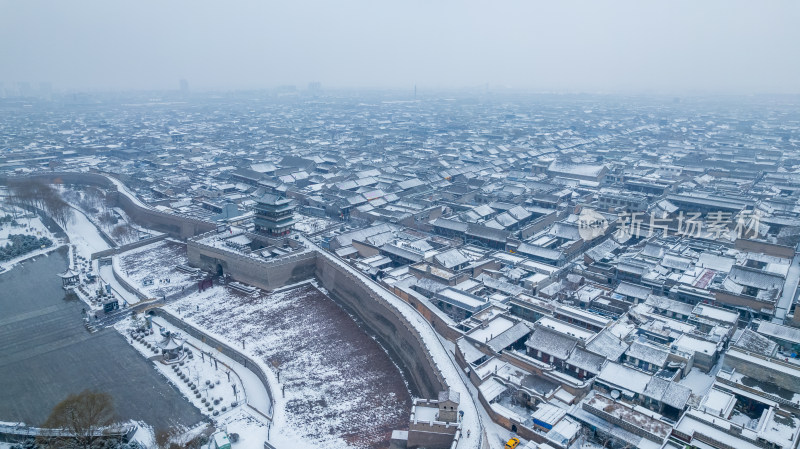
(314, 87)
(184, 86)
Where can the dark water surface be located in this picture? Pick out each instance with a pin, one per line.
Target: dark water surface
(46, 353)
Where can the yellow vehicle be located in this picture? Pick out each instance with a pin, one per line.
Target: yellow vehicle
(512, 443)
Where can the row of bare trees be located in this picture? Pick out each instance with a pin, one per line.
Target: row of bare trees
(32, 193)
(124, 233)
(89, 198)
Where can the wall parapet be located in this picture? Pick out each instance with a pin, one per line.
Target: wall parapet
(352, 280)
(125, 284)
(128, 247)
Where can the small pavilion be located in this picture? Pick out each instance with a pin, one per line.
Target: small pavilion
(171, 346)
(69, 278)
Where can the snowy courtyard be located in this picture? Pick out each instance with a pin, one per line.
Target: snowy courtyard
(309, 225)
(153, 268)
(337, 388)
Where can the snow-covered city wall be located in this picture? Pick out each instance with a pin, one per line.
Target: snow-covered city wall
(266, 274)
(128, 247)
(391, 329)
(175, 225)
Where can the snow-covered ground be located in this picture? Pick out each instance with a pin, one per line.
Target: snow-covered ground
(107, 275)
(449, 369)
(209, 374)
(248, 418)
(337, 389)
(86, 239)
(92, 204)
(250, 427)
(144, 434)
(30, 225)
(152, 268)
(84, 235)
(310, 225)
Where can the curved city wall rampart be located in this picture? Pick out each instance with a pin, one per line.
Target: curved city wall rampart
(176, 226)
(380, 319)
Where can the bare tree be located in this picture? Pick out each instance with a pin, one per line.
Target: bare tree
(604, 439)
(123, 233)
(82, 415)
(174, 438)
(22, 192)
(583, 436)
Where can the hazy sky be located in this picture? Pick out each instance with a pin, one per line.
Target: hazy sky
(674, 46)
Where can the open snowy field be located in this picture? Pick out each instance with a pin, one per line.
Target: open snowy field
(112, 220)
(84, 235)
(340, 389)
(31, 225)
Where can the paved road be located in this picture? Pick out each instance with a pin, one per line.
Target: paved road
(46, 354)
(789, 291)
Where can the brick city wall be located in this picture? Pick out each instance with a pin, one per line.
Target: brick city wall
(264, 274)
(386, 323)
(771, 249)
(733, 300)
(174, 225)
(381, 320)
(788, 377)
(443, 324)
(128, 247)
(430, 435)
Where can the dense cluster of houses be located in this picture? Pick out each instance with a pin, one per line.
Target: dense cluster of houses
(621, 274)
